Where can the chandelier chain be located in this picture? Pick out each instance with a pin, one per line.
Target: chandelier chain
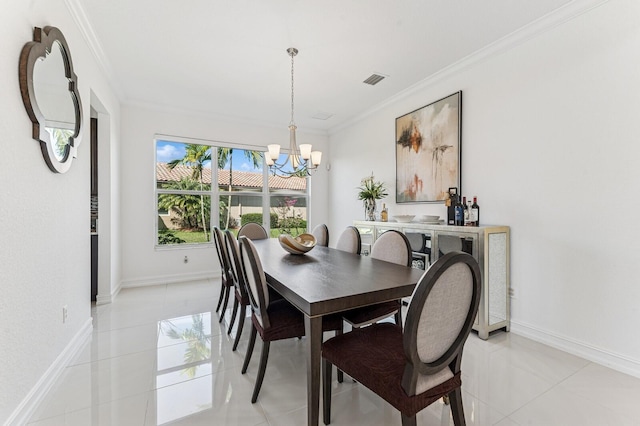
(292, 55)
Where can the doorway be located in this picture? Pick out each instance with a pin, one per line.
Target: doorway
(94, 208)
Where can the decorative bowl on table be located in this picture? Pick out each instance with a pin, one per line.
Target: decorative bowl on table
(297, 245)
(404, 218)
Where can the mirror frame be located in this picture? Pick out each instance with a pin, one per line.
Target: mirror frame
(40, 47)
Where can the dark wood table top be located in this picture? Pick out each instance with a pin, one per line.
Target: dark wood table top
(327, 280)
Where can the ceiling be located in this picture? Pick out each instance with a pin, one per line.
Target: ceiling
(228, 59)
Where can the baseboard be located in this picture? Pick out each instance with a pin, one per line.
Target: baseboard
(589, 352)
(169, 279)
(36, 395)
(103, 300)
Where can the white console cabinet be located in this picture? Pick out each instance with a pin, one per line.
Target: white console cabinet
(489, 245)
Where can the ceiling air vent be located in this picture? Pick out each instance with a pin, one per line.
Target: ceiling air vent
(374, 79)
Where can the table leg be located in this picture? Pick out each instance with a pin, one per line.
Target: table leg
(313, 328)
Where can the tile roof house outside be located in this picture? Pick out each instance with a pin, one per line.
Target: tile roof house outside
(241, 179)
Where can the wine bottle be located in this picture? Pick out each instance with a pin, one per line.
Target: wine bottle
(475, 212)
(384, 214)
(465, 220)
(470, 221)
(459, 213)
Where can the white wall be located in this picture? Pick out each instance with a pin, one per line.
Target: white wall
(550, 146)
(142, 263)
(44, 219)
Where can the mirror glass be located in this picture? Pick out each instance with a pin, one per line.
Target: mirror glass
(51, 88)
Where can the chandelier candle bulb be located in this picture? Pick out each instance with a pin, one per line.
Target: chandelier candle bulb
(305, 151)
(316, 157)
(268, 159)
(274, 151)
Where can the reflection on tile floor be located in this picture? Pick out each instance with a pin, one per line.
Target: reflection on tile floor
(159, 355)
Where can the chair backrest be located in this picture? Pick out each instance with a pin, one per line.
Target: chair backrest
(350, 240)
(442, 311)
(321, 232)
(223, 255)
(392, 246)
(256, 280)
(233, 248)
(254, 231)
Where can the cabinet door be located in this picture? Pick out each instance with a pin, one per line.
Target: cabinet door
(367, 237)
(446, 242)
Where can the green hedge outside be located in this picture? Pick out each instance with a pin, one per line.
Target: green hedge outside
(257, 218)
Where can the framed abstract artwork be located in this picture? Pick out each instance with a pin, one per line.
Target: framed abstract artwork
(428, 151)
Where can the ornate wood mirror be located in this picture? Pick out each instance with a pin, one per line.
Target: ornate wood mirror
(50, 94)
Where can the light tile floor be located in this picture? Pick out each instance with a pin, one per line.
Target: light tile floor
(158, 355)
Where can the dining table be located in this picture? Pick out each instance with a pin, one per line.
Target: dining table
(325, 281)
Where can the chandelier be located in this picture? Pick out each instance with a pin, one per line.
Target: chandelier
(300, 162)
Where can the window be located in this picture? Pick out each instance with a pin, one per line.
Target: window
(188, 204)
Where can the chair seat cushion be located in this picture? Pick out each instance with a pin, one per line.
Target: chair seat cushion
(374, 356)
(287, 321)
(369, 314)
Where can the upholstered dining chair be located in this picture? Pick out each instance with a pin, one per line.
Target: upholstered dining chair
(413, 368)
(350, 240)
(227, 281)
(253, 231)
(241, 299)
(272, 319)
(392, 246)
(321, 232)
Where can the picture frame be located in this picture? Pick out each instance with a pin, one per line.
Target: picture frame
(428, 151)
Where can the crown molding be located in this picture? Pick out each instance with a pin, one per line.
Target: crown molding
(82, 21)
(551, 20)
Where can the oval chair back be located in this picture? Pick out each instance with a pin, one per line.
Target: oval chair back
(253, 231)
(321, 232)
(256, 281)
(442, 311)
(233, 248)
(392, 246)
(227, 280)
(350, 240)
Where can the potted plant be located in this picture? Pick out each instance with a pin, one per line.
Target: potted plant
(369, 191)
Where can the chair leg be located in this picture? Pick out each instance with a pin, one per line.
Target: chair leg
(243, 312)
(264, 355)
(252, 342)
(457, 410)
(340, 373)
(327, 367)
(234, 312)
(224, 304)
(408, 421)
(223, 288)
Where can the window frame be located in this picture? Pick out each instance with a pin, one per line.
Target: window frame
(214, 192)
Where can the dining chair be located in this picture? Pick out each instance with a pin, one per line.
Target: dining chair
(392, 246)
(227, 281)
(321, 232)
(413, 368)
(272, 319)
(254, 231)
(241, 299)
(350, 240)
